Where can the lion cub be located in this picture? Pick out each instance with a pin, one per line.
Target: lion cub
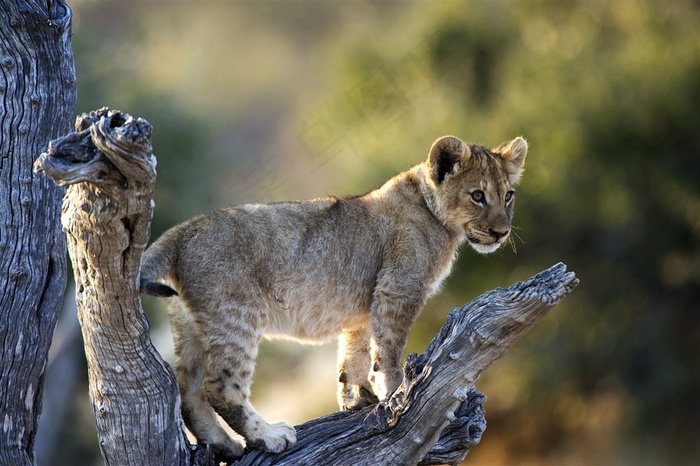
(360, 268)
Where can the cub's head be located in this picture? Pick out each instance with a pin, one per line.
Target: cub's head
(474, 188)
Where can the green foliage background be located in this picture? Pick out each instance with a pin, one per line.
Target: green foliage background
(259, 101)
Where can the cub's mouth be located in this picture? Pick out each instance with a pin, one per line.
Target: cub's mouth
(482, 247)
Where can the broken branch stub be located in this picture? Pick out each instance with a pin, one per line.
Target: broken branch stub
(108, 148)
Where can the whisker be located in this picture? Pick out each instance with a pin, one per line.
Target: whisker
(511, 240)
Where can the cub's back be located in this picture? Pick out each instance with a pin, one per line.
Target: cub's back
(324, 251)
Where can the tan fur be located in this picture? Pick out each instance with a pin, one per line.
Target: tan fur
(360, 268)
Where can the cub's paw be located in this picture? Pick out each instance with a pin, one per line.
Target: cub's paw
(225, 448)
(354, 397)
(384, 383)
(274, 438)
(227, 452)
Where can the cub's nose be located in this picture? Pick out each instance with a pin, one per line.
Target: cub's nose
(498, 234)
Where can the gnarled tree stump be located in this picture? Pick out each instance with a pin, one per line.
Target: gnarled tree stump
(110, 172)
(434, 417)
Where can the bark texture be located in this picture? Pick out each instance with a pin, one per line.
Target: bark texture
(37, 103)
(107, 211)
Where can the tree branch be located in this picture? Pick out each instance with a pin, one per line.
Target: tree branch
(433, 417)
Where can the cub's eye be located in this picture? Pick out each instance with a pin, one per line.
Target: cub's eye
(509, 196)
(479, 196)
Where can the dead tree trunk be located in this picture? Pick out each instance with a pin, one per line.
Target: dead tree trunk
(433, 418)
(37, 103)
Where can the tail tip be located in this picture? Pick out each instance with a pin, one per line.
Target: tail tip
(157, 289)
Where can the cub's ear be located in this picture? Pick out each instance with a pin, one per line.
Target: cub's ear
(513, 153)
(445, 157)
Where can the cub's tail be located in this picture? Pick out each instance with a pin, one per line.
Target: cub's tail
(156, 289)
(155, 264)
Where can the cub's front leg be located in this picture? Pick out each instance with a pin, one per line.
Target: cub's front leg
(394, 311)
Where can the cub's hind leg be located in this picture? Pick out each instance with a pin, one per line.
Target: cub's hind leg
(190, 360)
(232, 345)
(354, 390)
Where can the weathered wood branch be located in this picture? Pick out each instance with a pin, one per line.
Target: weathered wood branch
(434, 402)
(37, 103)
(434, 417)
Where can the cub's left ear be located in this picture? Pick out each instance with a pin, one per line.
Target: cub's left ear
(445, 157)
(514, 153)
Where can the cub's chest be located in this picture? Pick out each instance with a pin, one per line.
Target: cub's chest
(442, 271)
